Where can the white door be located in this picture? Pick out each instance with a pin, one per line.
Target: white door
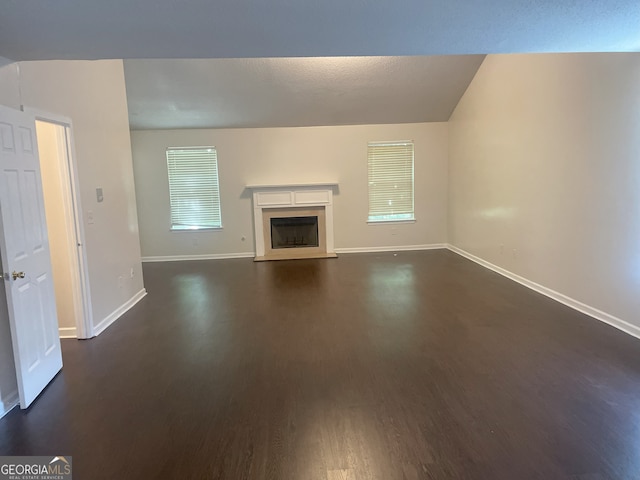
(25, 257)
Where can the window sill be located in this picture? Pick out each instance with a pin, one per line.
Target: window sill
(194, 230)
(382, 222)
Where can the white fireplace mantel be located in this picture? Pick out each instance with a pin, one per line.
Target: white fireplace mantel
(288, 186)
(292, 196)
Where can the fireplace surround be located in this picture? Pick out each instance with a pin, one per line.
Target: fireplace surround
(305, 211)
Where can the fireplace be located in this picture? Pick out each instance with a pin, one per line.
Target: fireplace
(293, 221)
(294, 232)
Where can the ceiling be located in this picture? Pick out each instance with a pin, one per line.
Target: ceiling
(92, 29)
(247, 63)
(285, 92)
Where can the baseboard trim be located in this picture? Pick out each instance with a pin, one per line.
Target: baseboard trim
(117, 313)
(223, 256)
(209, 256)
(397, 248)
(67, 332)
(8, 403)
(557, 296)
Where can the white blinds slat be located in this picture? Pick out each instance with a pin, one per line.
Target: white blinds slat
(194, 192)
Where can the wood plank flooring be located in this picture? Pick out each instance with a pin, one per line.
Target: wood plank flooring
(420, 365)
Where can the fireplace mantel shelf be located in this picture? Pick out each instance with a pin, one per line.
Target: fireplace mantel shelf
(292, 185)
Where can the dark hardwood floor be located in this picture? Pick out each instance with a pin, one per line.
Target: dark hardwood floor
(416, 366)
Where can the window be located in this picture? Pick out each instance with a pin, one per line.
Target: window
(390, 181)
(194, 193)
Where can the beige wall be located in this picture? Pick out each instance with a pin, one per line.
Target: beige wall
(282, 155)
(92, 94)
(50, 149)
(544, 159)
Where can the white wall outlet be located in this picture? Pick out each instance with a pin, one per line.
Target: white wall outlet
(90, 218)
(515, 253)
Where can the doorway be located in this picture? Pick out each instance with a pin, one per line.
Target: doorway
(62, 211)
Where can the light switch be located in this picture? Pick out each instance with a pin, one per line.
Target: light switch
(90, 219)
(99, 195)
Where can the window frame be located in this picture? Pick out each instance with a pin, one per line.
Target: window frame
(382, 219)
(213, 191)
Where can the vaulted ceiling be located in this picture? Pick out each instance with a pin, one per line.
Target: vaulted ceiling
(393, 61)
(289, 92)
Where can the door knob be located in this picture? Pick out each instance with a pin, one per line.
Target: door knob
(17, 275)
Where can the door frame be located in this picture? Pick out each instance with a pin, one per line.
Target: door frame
(73, 210)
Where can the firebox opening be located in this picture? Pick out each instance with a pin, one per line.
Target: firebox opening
(294, 232)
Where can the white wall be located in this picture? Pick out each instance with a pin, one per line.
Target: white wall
(282, 155)
(544, 159)
(93, 95)
(50, 150)
(9, 93)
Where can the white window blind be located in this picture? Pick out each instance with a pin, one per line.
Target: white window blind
(194, 191)
(390, 181)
